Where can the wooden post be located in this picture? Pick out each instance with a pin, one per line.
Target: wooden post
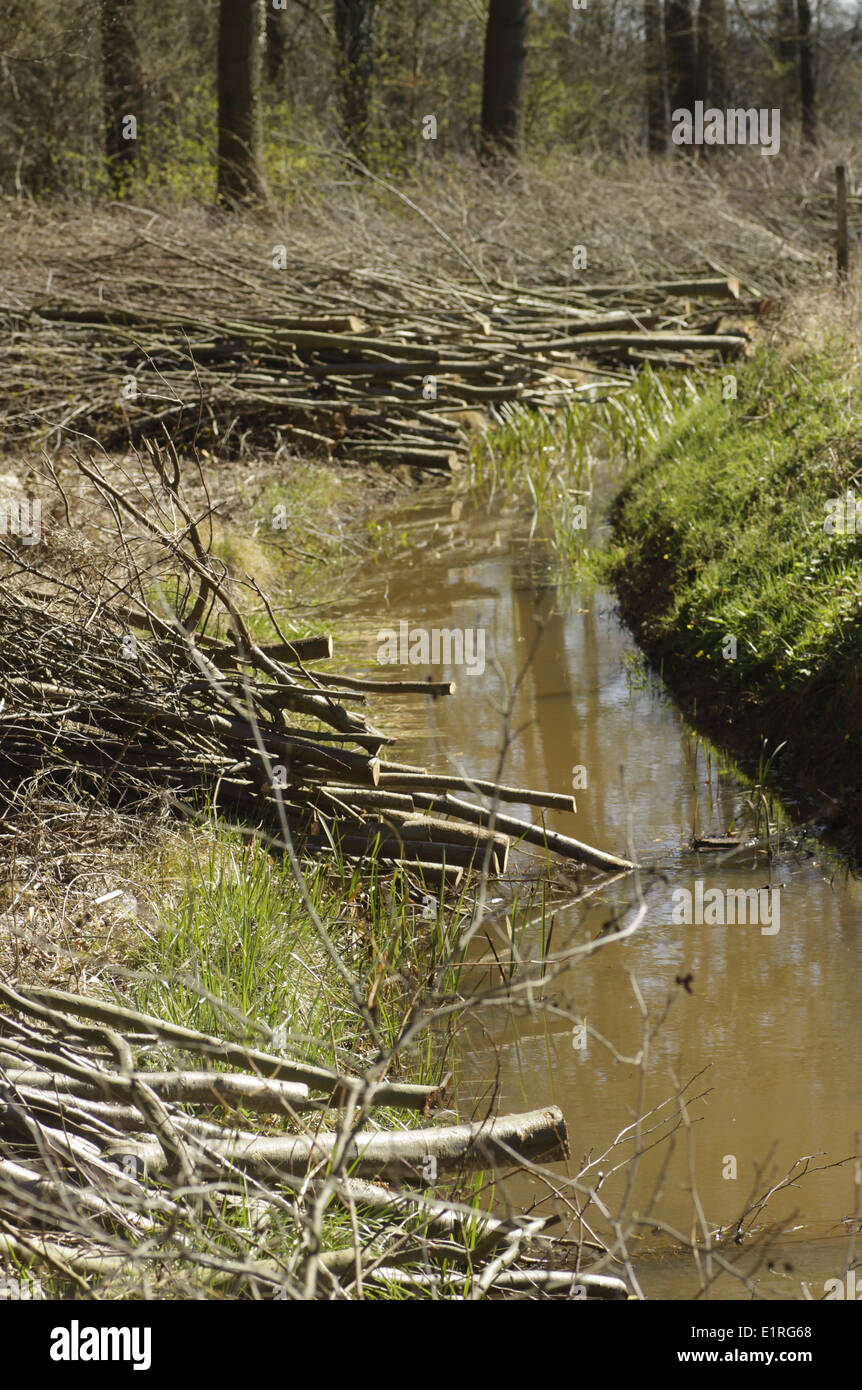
(841, 242)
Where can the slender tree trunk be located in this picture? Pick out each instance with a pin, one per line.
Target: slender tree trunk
(681, 57)
(717, 53)
(806, 73)
(654, 78)
(122, 89)
(240, 138)
(503, 77)
(355, 64)
(785, 44)
(703, 62)
(276, 42)
(787, 55)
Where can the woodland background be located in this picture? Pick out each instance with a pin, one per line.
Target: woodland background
(362, 76)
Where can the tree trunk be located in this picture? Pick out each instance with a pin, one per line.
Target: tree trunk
(534, 1135)
(703, 62)
(786, 45)
(717, 53)
(681, 58)
(806, 73)
(122, 90)
(240, 139)
(503, 77)
(276, 43)
(654, 78)
(355, 63)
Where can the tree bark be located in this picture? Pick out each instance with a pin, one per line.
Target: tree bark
(703, 61)
(718, 53)
(681, 56)
(535, 1135)
(355, 64)
(806, 73)
(786, 37)
(122, 89)
(276, 43)
(240, 138)
(503, 77)
(654, 78)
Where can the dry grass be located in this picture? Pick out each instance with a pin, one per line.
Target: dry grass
(766, 220)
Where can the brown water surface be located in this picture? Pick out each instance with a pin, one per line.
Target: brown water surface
(774, 1020)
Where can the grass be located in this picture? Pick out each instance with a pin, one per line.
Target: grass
(728, 575)
(236, 951)
(548, 462)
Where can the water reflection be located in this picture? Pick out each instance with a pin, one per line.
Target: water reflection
(773, 1022)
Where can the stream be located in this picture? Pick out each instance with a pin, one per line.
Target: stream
(770, 1022)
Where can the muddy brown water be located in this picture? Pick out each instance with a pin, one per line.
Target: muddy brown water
(773, 1022)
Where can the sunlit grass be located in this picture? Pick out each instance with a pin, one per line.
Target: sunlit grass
(548, 462)
(236, 951)
(723, 522)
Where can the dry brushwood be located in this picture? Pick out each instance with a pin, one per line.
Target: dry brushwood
(365, 365)
(98, 1155)
(126, 703)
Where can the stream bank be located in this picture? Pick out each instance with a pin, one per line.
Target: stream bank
(736, 562)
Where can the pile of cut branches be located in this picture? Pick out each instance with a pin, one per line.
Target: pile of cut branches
(102, 693)
(354, 362)
(148, 1156)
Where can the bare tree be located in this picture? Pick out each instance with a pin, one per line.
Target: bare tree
(703, 61)
(503, 76)
(276, 40)
(355, 63)
(654, 77)
(786, 45)
(717, 52)
(240, 139)
(122, 89)
(806, 72)
(681, 56)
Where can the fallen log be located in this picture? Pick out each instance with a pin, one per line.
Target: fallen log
(523, 831)
(262, 1063)
(536, 1136)
(394, 777)
(600, 342)
(260, 1094)
(548, 1282)
(393, 849)
(410, 826)
(397, 687)
(723, 287)
(300, 650)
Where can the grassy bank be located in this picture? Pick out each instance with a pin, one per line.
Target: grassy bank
(727, 571)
